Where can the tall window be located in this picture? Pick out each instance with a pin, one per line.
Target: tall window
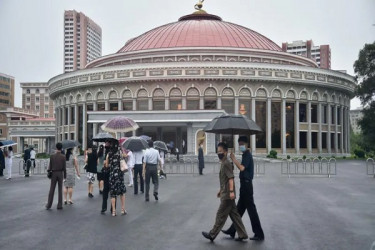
(314, 113)
(113, 106)
(66, 116)
(338, 116)
(228, 105)
(333, 121)
(127, 105)
(192, 99)
(72, 115)
(276, 124)
(289, 137)
(261, 111)
(303, 139)
(245, 107)
(302, 112)
(324, 114)
(142, 104)
(101, 106)
(175, 99)
(210, 99)
(314, 139)
(324, 140)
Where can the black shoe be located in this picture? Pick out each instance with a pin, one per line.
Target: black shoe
(257, 238)
(135, 193)
(59, 208)
(207, 236)
(48, 208)
(227, 232)
(147, 199)
(100, 192)
(241, 238)
(65, 202)
(103, 211)
(156, 196)
(90, 195)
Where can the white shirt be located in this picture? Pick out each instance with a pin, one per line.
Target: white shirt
(32, 154)
(8, 159)
(162, 157)
(151, 156)
(138, 157)
(130, 159)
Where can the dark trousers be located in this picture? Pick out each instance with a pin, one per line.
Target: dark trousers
(138, 169)
(105, 192)
(27, 167)
(246, 202)
(1, 171)
(228, 207)
(151, 172)
(57, 178)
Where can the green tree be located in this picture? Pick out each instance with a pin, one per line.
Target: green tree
(364, 68)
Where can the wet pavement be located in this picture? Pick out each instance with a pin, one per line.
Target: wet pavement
(296, 213)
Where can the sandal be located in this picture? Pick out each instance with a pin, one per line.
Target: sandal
(124, 212)
(71, 202)
(65, 202)
(113, 213)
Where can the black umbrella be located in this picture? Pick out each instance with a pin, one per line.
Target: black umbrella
(102, 137)
(7, 143)
(135, 144)
(160, 145)
(232, 124)
(69, 144)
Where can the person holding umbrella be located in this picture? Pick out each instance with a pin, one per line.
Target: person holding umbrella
(9, 162)
(2, 162)
(246, 200)
(227, 195)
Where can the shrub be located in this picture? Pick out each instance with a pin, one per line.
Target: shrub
(288, 157)
(273, 154)
(319, 157)
(42, 155)
(360, 153)
(344, 157)
(304, 157)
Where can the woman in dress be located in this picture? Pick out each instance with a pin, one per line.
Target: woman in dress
(116, 177)
(100, 175)
(71, 165)
(9, 162)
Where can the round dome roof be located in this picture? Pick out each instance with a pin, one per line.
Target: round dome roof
(200, 30)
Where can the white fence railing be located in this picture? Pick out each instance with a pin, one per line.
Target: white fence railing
(313, 167)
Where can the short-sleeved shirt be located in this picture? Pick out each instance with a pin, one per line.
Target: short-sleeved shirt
(138, 155)
(226, 173)
(32, 154)
(151, 156)
(248, 163)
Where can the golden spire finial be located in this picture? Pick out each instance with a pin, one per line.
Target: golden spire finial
(199, 5)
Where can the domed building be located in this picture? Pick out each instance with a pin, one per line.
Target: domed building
(174, 79)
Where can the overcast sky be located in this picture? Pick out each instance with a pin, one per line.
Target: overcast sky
(31, 31)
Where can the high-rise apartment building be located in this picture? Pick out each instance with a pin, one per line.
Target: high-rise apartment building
(82, 40)
(35, 97)
(321, 54)
(6, 90)
(355, 116)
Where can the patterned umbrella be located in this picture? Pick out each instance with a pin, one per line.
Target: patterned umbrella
(160, 145)
(135, 144)
(120, 124)
(102, 137)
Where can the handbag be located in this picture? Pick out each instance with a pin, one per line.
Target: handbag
(123, 166)
(49, 174)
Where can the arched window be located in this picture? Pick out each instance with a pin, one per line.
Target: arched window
(113, 103)
(175, 99)
(192, 100)
(142, 100)
(210, 99)
(27, 91)
(127, 102)
(158, 100)
(227, 100)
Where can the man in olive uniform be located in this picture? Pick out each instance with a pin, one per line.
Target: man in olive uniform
(227, 199)
(246, 200)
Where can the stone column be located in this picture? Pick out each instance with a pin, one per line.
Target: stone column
(149, 103)
(201, 102)
(342, 129)
(348, 126)
(308, 113)
(95, 106)
(167, 107)
(183, 102)
(134, 104)
(76, 125)
(269, 133)
(106, 103)
(320, 127)
(63, 122)
(236, 105)
(329, 116)
(283, 126)
(296, 125)
(253, 116)
(120, 105)
(69, 121)
(336, 130)
(84, 132)
(219, 102)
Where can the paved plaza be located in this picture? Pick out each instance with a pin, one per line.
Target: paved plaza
(296, 213)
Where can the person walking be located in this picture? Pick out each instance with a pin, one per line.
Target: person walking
(57, 164)
(138, 171)
(116, 177)
(246, 200)
(71, 170)
(162, 161)
(130, 162)
(150, 170)
(105, 172)
(2, 162)
(227, 197)
(27, 162)
(32, 157)
(92, 162)
(200, 159)
(99, 173)
(9, 162)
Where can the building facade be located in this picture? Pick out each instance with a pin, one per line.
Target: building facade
(82, 40)
(6, 90)
(35, 97)
(355, 116)
(176, 78)
(321, 54)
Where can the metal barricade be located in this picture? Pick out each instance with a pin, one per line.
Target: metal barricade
(370, 166)
(260, 167)
(312, 167)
